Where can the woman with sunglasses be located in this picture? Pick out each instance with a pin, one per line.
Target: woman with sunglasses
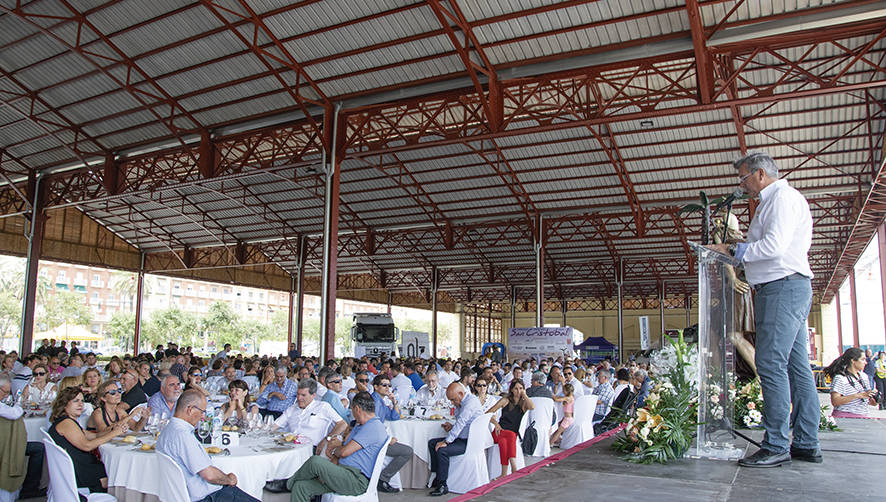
(481, 385)
(40, 391)
(194, 380)
(67, 433)
(106, 414)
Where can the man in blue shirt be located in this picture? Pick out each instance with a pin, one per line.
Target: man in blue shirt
(334, 398)
(205, 482)
(467, 408)
(164, 401)
(278, 395)
(399, 453)
(413, 375)
(355, 457)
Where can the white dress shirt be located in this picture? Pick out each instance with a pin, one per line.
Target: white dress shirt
(402, 387)
(779, 236)
(314, 421)
(446, 378)
(426, 396)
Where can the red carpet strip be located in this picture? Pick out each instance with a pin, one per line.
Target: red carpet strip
(492, 485)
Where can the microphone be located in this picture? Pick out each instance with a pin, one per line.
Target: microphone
(731, 197)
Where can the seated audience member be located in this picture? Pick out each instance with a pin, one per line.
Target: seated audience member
(237, 410)
(432, 392)
(605, 396)
(310, 417)
(133, 395)
(467, 378)
(850, 387)
(12, 429)
(400, 454)
(506, 428)
(75, 366)
(347, 380)
(481, 386)
(334, 397)
(67, 433)
(150, 384)
(568, 400)
(401, 385)
(570, 377)
(493, 387)
(164, 401)
(361, 384)
(622, 390)
(195, 381)
(538, 388)
(266, 378)
(347, 466)
(467, 408)
(40, 390)
(278, 395)
(641, 384)
(108, 412)
(409, 370)
(205, 482)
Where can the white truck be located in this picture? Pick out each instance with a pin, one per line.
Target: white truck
(373, 334)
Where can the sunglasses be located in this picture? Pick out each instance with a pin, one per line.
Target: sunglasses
(363, 380)
(333, 381)
(480, 385)
(40, 373)
(384, 385)
(113, 392)
(197, 374)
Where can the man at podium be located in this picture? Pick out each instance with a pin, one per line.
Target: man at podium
(775, 259)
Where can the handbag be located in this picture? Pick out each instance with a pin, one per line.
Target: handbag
(529, 439)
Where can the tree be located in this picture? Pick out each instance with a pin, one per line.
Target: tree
(221, 324)
(125, 286)
(65, 307)
(121, 328)
(172, 325)
(10, 315)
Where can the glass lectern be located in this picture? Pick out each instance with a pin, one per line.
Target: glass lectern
(715, 436)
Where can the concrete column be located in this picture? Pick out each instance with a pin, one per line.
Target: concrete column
(619, 282)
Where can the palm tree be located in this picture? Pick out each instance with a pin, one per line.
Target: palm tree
(125, 286)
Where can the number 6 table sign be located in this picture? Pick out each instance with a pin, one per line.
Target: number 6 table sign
(226, 439)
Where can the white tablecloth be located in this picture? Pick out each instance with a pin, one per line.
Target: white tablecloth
(33, 426)
(417, 433)
(138, 471)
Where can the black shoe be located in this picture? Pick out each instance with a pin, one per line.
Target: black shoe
(384, 486)
(765, 458)
(435, 483)
(806, 454)
(440, 490)
(276, 486)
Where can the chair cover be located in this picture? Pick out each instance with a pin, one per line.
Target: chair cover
(582, 428)
(215, 383)
(252, 382)
(62, 483)
(468, 471)
(172, 480)
(371, 494)
(493, 457)
(543, 415)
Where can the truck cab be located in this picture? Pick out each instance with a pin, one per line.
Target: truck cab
(373, 334)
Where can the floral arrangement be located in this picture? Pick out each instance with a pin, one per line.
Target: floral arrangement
(748, 410)
(663, 428)
(825, 421)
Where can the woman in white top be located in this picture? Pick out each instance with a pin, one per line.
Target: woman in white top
(480, 387)
(347, 381)
(850, 388)
(40, 391)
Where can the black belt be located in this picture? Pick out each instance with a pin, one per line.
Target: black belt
(796, 276)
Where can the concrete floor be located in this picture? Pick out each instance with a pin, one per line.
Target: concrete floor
(853, 469)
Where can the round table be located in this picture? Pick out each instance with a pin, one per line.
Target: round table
(33, 426)
(134, 473)
(416, 433)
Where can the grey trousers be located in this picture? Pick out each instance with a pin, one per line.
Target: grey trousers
(400, 455)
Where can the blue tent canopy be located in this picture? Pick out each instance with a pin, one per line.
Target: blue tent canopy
(596, 348)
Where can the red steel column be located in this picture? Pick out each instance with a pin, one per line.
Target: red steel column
(300, 294)
(881, 240)
(139, 295)
(291, 311)
(839, 323)
(853, 297)
(329, 282)
(37, 193)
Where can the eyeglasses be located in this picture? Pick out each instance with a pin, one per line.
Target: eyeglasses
(480, 385)
(333, 381)
(742, 178)
(198, 408)
(39, 373)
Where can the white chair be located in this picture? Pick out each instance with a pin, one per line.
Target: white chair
(493, 455)
(252, 382)
(215, 384)
(371, 494)
(62, 482)
(468, 471)
(172, 480)
(542, 415)
(582, 428)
